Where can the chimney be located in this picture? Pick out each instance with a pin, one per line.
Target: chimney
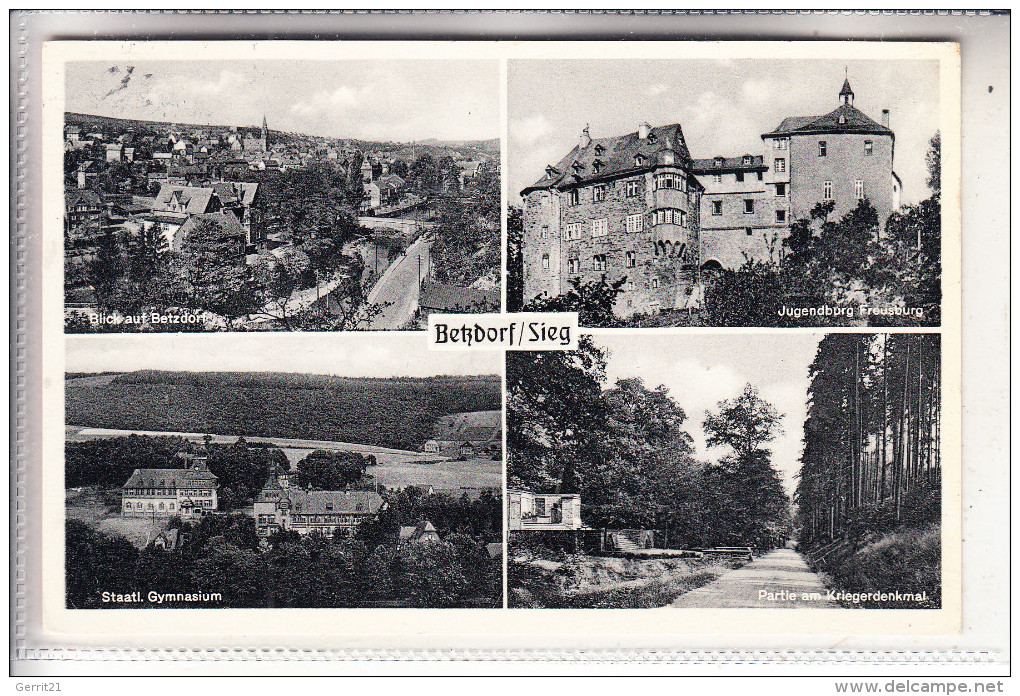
(585, 137)
(885, 117)
(642, 131)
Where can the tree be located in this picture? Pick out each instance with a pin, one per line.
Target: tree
(240, 576)
(215, 275)
(933, 160)
(330, 470)
(514, 259)
(743, 424)
(593, 301)
(553, 415)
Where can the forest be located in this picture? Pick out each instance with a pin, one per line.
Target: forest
(870, 489)
(221, 553)
(624, 449)
(397, 413)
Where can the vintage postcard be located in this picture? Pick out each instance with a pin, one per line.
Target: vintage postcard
(752, 429)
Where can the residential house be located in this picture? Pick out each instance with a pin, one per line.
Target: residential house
(544, 511)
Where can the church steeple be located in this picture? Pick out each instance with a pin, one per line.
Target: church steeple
(265, 130)
(847, 94)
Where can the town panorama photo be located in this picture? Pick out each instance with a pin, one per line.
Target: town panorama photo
(726, 192)
(271, 195)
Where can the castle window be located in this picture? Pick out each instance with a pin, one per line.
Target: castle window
(717, 178)
(633, 187)
(639, 160)
(869, 147)
(780, 190)
(171, 506)
(573, 266)
(573, 197)
(545, 261)
(127, 506)
(716, 207)
(631, 259)
(655, 283)
(574, 230)
(780, 164)
(598, 193)
(780, 216)
(827, 190)
(822, 148)
(596, 166)
(599, 149)
(600, 228)
(781, 143)
(635, 223)
(599, 262)
(748, 206)
(859, 189)
(747, 160)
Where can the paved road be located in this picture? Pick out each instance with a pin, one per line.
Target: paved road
(778, 579)
(399, 286)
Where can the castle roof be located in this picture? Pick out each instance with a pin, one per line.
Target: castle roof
(716, 165)
(844, 119)
(608, 158)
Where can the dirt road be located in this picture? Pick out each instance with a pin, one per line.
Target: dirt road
(778, 579)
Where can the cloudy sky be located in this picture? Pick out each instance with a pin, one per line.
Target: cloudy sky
(368, 354)
(702, 370)
(723, 105)
(395, 100)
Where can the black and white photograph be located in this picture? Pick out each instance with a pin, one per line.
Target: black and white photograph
(727, 471)
(729, 192)
(331, 473)
(279, 195)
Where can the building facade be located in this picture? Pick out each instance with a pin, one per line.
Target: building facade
(621, 207)
(283, 506)
(544, 512)
(639, 207)
(189, 493)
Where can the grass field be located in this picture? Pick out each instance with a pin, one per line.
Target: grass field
(94, 508)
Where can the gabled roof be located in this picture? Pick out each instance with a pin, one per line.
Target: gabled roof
(417, 531)
(853, 121)
(171, 478)
(197, 199)
(616, 157)
(83, 195)
(304, 502)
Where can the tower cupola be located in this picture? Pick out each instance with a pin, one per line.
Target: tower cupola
(846, 95)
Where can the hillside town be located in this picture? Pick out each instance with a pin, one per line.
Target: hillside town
(179, 227)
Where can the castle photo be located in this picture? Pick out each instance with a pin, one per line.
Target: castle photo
(663, 214)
